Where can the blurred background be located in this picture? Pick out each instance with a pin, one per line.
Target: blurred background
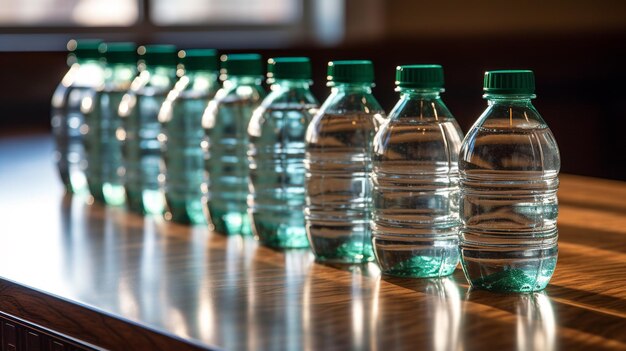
(577, 49)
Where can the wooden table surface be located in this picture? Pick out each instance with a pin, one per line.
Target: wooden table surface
(112, 279)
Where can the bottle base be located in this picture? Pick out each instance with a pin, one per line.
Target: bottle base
(527, 275)
(95, 189)
(229, 222)
(418, 267)
(149, 202)
(338, 246)
(114, 194)
(279, 230)
(416, 256)
(185, 210)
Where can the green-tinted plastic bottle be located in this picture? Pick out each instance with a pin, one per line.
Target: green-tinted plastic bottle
(139, 112)
(182, 135)
(276, 154)
(103, 149)
(508, 166)
(226, 122)
(86, 74)
(339, 143)
(415, 217)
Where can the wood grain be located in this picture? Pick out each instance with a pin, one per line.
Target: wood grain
(120, 281)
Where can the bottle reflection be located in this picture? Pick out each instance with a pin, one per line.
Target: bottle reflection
(89, 241)
(434, 320)
(274, 301)
(340, 314)
(230, 294)
(536, 327)
(152, 285)
(446, 308)
(529, 317)
(297, 264)
(186, 297)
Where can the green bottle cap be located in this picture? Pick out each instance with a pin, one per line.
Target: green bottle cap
(123, 52)
(199, 59)
(509, 82)
(420, 76)
(288, 68)
(353, 71)
(242, 65)
(84, 49)
(158, 55)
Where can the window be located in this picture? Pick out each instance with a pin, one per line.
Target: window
(220, 12)
(69, 13)
(46, 25)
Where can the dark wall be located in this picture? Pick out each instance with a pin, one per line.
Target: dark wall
(580, 85)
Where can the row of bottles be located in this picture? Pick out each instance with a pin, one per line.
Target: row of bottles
(164, 137)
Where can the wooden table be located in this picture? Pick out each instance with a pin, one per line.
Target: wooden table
(103, 278)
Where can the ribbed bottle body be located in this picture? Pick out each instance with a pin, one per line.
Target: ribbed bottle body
(226, 161)
(68, 122)
(140, 145)
(276, 155)
(181, 139)
(338, 165)
(509, 168)
(103, 149)
(415, 189)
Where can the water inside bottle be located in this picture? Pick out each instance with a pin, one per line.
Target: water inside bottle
(510, 207)
(227, 165)
(415, 218)
(277, 175)
(338, 165)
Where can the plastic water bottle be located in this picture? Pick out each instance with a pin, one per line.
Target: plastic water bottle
(276, 154)
(139, 112)
(103, 150)
(415, 224)
(509, 165)
(338, 164)
(85, 74)
(226, 121)
(181, 135)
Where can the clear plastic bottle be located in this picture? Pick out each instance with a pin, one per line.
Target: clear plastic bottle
(103, 150)
(415, 220)
(276, 154)
(226, 121)
(85, 74)
(338, 165)
(181, 135)
(139, 112)
(509, 165)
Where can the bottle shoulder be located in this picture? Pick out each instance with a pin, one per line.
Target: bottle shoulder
(230, 93)
(289, 97)
(351, 102)
(274, 117)
(510, 139)
(149, 83)
(231, 103)
(422, 142)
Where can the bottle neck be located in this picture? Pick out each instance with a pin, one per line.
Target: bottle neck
(88, 73)
(89, 61)
(364, 88)
(201, 73)
(290, 84)
(162, 70)
(120, 72)
(244, 80)
(509, 99)
(422, 94)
